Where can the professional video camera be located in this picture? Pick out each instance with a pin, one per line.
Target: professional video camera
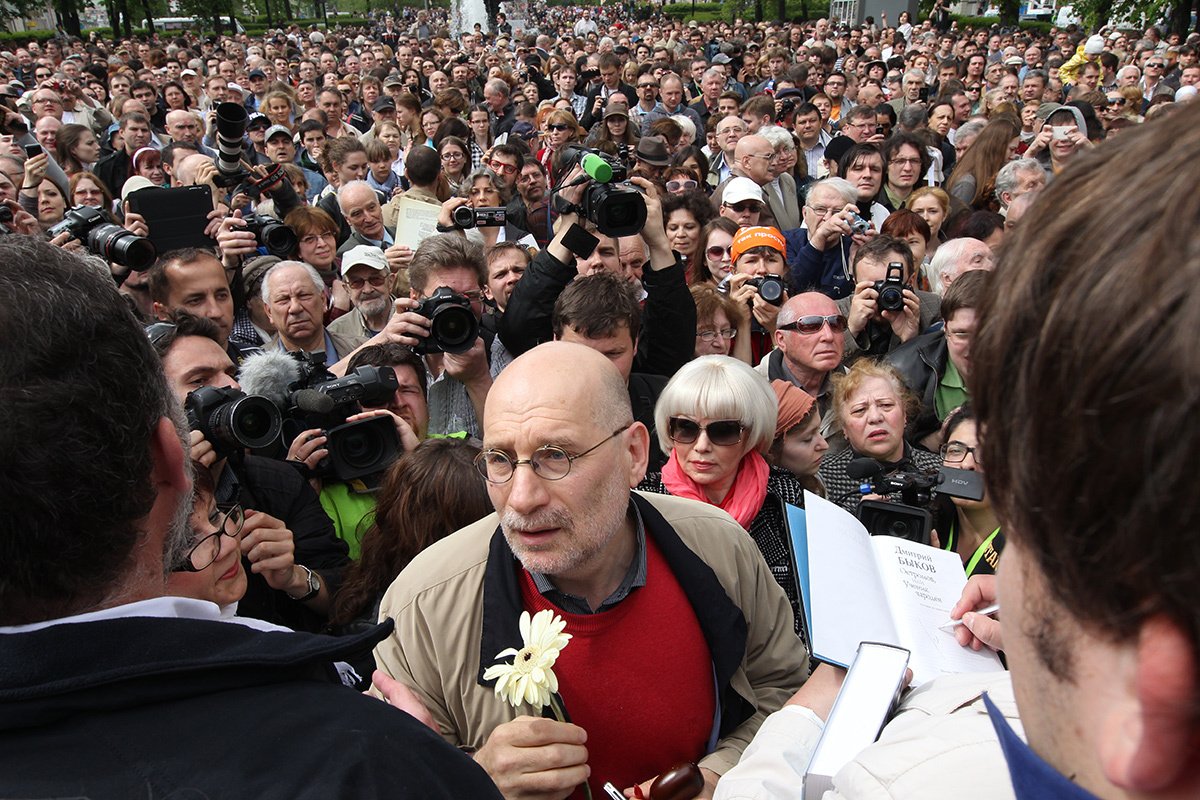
(609, 202)
(911, 518)
(453, 327)
(312, 397)
(231, 420)
(111, 242)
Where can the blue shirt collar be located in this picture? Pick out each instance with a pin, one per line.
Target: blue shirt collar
(331, 354)
(1032, 778)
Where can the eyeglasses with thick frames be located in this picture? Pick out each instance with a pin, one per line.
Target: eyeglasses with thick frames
(710, 335)
(502, 168)
(558, 126)
(812, 323)
(722, 433)
(956, 452)
(204, 552)
(313, 238)
(549, 462)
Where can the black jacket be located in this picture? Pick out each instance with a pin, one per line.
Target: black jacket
(170, 707)
(921, 362)
(590, 119)
(113, 169)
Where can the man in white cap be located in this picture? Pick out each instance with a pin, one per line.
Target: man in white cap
(742, 202)
(369, 281)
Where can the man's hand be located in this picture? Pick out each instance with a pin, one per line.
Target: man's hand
(654, 232)
(977, 631)
(202, 451)
(832, 228)
(397, 695)
(408, 437)
(206, 174)
(470, 367)
(268, 545)
(135, 223)
(215, 218)
(535, 758)
(405, 327)
(1041, 141)
(23, 222)
(234, 241)
(862, 307)
(398, 256)
(35, 170)
(906, 324)
(766, 313)
(308, 448)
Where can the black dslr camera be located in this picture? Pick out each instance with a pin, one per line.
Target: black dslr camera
(453, 327)
(609, 201)
(279, 239)
(467, 217)
(320, 400)
(770, 288)
(231, 420)
(891, 288)
(111, 242)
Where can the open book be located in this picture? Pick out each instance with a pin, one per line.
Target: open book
(862, 588)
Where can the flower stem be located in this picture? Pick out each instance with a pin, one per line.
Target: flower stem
(560, 714)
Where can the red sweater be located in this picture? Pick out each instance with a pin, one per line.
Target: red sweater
(638, 678)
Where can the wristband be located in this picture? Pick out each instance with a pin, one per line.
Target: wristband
(446, 228)
(579, 241)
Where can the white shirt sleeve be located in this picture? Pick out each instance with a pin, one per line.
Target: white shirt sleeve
(773, 765)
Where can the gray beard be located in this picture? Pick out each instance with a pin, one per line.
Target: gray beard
(375, 307)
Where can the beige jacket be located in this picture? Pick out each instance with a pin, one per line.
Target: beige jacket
(440, 647)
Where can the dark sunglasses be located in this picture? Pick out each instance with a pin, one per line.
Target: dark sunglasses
(558, 126)
(813, 322)
(717, 253)
(723, 433)
(1116, 101)
(746, 205)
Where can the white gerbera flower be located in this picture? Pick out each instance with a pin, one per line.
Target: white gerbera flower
(530, 679)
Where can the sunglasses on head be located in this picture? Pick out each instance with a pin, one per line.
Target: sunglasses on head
(813, 322)
(723, 433)
(681, 186)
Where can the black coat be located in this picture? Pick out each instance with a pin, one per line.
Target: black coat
(590, 119)
(921, 362)
(170, 707)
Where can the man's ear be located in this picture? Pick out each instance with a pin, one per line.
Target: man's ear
(638, 442)
(1148, 744)
(160, 311)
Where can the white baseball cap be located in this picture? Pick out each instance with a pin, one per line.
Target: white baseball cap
(739, 189)
(365, 255)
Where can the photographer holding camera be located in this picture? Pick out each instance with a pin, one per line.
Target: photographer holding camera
(884, 312)
(288, 515)
(758, 279)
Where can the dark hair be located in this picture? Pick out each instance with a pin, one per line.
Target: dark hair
(902, 222)
(422, 165)
(978, 225)
(67, 138)
(184, 324)
(82, 401)
(901, 139)
(693, 202)
(389, 355)
(967, 291)
(760, 106)
(1093, 436)
(597, 305)
(426, 495)
(877, 249)
(159, 282)
(170, 153)
(692, 151)
(856, 152)
(984, 159)
(964, 413)
(697, 263)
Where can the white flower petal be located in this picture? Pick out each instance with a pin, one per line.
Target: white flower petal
(524, 626)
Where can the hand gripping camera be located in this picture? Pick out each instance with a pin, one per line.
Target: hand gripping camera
(910, 519)
(231, 420)
(111, 242)
(609, 201)
(891, 288)
(453, 327)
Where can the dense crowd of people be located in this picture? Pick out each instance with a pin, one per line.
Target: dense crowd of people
(296, 430)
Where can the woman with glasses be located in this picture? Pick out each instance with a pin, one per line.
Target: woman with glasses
(874, 406)
(719, 324)
(481, 140)
(316, 234)
(712, 261)
(455, 158)
(679, 180)
(694, 159)
(967, 527)
(212, 567)
(716, 418)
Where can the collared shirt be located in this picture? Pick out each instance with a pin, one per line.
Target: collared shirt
(332, 356)
(1032, 778)
(815, 155)
(951, 391)
(635, 577)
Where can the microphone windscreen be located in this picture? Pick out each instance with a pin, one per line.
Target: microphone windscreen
(310, 401)
(269, 374)
(860, 468)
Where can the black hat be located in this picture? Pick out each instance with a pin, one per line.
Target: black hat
(382, 103)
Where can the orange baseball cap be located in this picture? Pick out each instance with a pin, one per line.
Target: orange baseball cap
(758, 236)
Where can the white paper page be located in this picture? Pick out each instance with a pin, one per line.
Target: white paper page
(848, 600)
(922, 584)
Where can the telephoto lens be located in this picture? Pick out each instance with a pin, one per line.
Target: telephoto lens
(231, 420)
(279, 239)
(231, 129)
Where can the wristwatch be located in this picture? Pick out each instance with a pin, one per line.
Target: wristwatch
(313, 584)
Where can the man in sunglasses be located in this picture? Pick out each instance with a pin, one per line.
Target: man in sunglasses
(561, 451)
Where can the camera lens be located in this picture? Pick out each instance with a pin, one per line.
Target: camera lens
(279, 239)
(247, 422)
(359, 448)
(118, 245)
(454, 328)
(771, 291)
(464, 217)
(891, 299)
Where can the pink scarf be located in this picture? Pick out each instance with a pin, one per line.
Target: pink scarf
(745, 497)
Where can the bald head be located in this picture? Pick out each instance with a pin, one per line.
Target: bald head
(185, 172)
(754, 155)
(575, 378)
(805, 304)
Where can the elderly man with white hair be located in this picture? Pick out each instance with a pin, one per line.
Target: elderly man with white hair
(294, 298)
(1016, 178)
(956, 257)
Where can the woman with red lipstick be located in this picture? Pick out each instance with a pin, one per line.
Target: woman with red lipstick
(873, 405)
(716, 418)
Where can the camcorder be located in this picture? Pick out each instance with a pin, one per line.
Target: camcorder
(911, 518)
(231, 420)
(111, 242)
(321, 400)
(891, 288)
(467, 217)
(609, 201)
(453, 327)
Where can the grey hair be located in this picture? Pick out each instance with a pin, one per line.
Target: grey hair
(712, 72)
(842, 186)
(719, 387)
(1009, 175)
(464, 188)
(685, 122)
(345, 188)
(914, 73)
(972, 127)
(947, 258)
(778, 137)
(318, 282)
(912, 116)
(499, 87)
